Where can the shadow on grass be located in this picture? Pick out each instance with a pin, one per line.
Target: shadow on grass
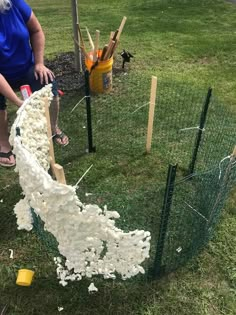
(113, 297)
(9, 196)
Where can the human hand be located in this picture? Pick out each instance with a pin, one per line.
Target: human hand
(19, 102)
(43, 73)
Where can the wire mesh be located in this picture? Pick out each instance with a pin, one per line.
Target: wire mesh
(133, 183)
(196, 208)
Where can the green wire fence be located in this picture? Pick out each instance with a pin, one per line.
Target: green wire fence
(191, 129)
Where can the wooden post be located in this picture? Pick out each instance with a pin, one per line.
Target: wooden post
(122, 24)
(96, 46)
(111, 35)
(104, 51)
(90, 39)
(49, 132)
(109, 50)
(82, 47)
(117, 34)
(57, 169)
(74, 10)
(151, 113)
(59, 173)
(234, 152)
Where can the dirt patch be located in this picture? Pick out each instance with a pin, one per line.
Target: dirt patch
(63, 67)
(68, 79)
(231, 1)
(206, 60)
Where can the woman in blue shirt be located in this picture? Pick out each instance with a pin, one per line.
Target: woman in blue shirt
(22, 44)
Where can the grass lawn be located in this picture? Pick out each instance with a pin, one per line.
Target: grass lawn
(184, 43)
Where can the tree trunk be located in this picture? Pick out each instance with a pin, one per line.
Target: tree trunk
(75, 21)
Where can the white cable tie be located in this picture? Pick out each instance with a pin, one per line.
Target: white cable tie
(79, 103)
(52, 136)
(140, 107)
(192, 128)
(76, 185)
(201, 215)
(11, 253)
(179, 249)
(227, 157)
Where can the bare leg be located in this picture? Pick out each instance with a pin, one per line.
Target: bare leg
(5, 146)
(54, 113)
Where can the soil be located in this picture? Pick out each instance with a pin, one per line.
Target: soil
(63, 67)
(67, 78)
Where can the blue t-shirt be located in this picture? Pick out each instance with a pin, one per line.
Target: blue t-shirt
(16, 55)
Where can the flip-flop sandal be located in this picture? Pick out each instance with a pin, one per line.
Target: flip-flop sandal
(7, 156)
(60, 136)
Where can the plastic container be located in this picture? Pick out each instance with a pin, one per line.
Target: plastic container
(25, 91)
(24, 277)
(100, 78)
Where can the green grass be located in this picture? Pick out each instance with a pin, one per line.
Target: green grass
(185, 43)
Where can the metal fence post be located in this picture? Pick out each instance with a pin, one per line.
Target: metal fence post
(91, 148)
(158, 269)
(200, 131)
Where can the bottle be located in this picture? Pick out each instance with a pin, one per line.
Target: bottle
(25, 91)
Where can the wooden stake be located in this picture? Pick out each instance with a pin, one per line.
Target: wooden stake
(111, 35)
(90, 39)
(114, 47)
(234, 152)
(82, 46)
(59, 173)
(57, 169)
(80, 36)
(151, 113)
(104, 52)
(122, 24)
(83, 49)
(115, 34)
(114, 37)
(49, 132)
(109, 50)
(95, 51)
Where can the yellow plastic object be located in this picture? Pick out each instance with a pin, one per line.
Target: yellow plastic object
(24, 277)
(100, 78)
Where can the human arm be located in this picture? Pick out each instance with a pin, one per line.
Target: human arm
(7, 91)
(37, 40)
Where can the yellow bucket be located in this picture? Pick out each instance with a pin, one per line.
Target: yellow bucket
(24, 277)
(100, 78)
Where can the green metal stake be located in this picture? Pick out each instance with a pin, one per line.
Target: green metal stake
(91, 148)
(200, 131)
(158, 269)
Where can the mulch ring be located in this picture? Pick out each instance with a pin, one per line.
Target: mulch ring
(67, 78)
(63, 67)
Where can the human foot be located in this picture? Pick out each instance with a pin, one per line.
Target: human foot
(60, 138)
(7, 159)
